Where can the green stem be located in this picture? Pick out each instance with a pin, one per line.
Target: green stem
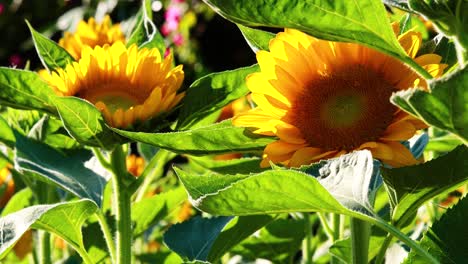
(326, 227)
(336, 235)
(153, 171)
(307, 243)
(107, 235)
(122, 207)
(383, 249)
(336, 221)
(360, 235)
(402, 237)
(44, 247)
(103, 160)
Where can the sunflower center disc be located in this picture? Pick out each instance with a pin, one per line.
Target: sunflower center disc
(112, 99)
(344, 109)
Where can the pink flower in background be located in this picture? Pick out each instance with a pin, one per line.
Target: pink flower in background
(173, 13)
(172, 16)
(178, 39)
(2, 8)
(15, 60)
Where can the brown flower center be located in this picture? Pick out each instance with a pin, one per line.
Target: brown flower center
(344, 109)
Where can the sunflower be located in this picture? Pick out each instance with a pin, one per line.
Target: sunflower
(126, 85)
(91, 34)
(323, 99)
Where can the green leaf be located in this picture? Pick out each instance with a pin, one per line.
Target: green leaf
(63, 219)
(410, 187)
(53, 133)
(211, 93)
(208, 239)
(450, 17)
(278, 242)
(193, 239)
(214, 139)
(444, 143)
(145, 34)
(68, 169)
(52, 55)
(363, 21)
(85, 123)
(20, 200)
(232, 166)
(256, 38)
(150, 211)
(344, 190)
(26, 90)
(445, 107)
(6, 133)
(238, 229)
(161, 257)
(446, 239)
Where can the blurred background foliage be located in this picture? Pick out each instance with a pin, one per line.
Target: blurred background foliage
(201, 40)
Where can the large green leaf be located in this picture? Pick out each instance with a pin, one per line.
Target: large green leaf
(69, 169)
(211, 92)
(25, 89)
(6, 133)
(52, 55)
(232, 166)
(51, 131)
(446, 239)
(410, 187)
(149, 211)
(84, 122)
(363, 21)
(208, 239)
(63, 219)
(278, 242)
(256, 38)
(213, 139)
(145, 34)
(343, 187)
(450, 17)
(445, 107)
(20, 200)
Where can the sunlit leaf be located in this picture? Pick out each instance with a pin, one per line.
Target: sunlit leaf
(445, 107)
(85, 123)
(278, 242)
(67, 169)
(63, 219)
(52, 55)
(145, 34)
(26, 90)
(211, 92)
(214, 139)
(231, 166)
(446, 238)
(256, 38)
(149, 211)
(345, 189)
(410, 187)
(363, 21)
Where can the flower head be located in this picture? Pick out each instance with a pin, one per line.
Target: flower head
(126, 84)
(91, 34)
(323, 99)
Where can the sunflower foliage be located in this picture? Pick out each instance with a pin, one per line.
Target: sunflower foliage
(345, 142)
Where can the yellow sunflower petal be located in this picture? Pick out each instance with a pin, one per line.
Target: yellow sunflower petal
(410, 41)
(323, 99)
(399, 131)
(308, 155)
